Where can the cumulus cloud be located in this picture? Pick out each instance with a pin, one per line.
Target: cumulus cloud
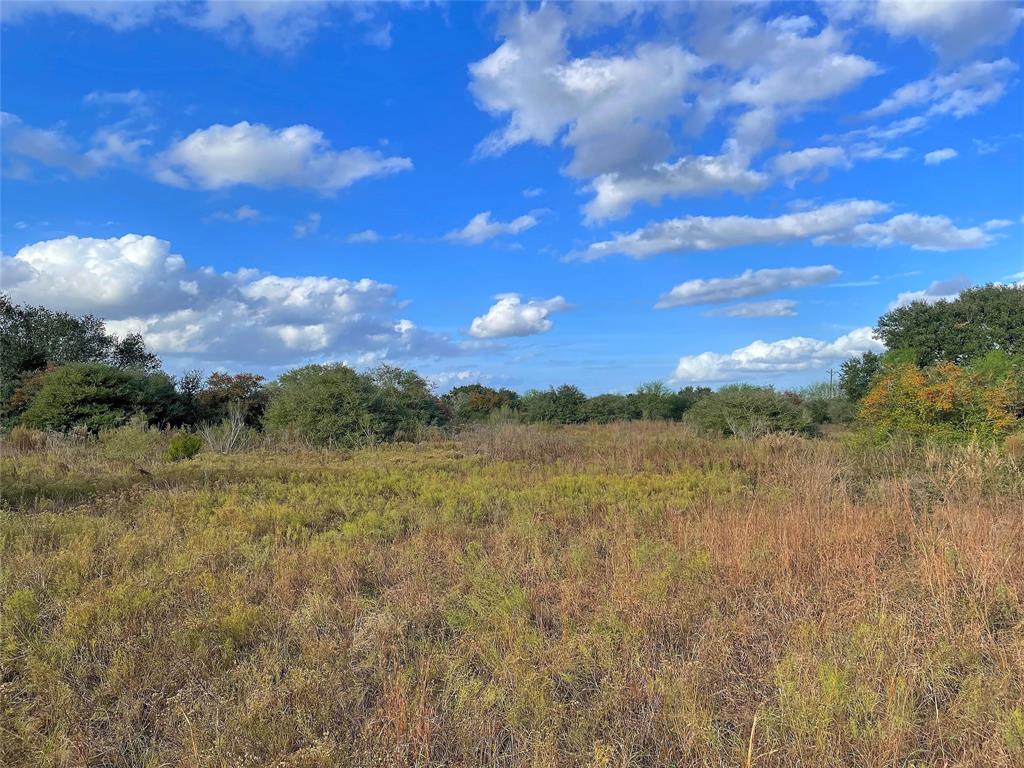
(482, 228)
(201, 315)
(750, 283)
(251, 153)
(615, 112)
(509, 316)
(939, 156)
(954, 29)
(773, 308)
(611, 110)
(846, 223)
(798, 353)
(960, 93)
(940, 290)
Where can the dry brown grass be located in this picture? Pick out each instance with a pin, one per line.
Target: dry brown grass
(594, 596)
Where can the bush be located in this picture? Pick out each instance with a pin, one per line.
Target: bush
(136, 441)
(947, 402)
(476, 403)
(742, 410)
(184, 445)
(334, 405)
(603, 409)
(559, 406)
(99, 397)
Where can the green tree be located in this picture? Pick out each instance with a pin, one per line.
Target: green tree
(405, 401)
(99, 396)
(653, 400)
(603, 409)
(980, 320)
(560, 406)
(856, 375)
(475, 402)
(33, 337)
(214, 399)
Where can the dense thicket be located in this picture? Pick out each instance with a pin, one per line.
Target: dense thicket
(335, 405)
(98, 396)
(953, 370)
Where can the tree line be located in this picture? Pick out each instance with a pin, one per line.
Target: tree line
(954, 369)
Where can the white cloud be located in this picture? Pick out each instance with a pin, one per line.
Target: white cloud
(701, 175)
(749, 283)
(251, 153)
(939, 156)
(755, 360)
(845, 223)
(773, 308)
(366, 236)
(448, 379)
(707, 233)
(509, 316)
(533, 192)
(940, 290)
(954, 29)
(133, 98)
(308, 226)
(922, 233)
(807, 160)
(611, 110)
(615, 112)
(46, 146)
(272, 26)
(482, 228)
(242, 213)
(120, 16)
(200, 315)
(960, 93)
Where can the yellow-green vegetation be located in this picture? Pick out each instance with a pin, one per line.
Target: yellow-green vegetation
(614, 595)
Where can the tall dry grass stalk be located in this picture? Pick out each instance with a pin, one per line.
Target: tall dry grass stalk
(621, 595)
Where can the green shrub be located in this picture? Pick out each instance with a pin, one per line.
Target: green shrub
(742, 410)
(334, 405)
(476, 403)
(99, 397)
(947, 402)
(184, 445)
(559, 406)
(136, 441)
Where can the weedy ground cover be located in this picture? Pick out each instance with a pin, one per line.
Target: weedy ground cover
(617, 595)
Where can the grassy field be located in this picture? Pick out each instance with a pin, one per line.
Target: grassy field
(625, 595)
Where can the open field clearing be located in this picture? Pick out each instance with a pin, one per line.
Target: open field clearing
(596, 596)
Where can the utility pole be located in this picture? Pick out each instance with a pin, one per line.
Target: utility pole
(831, 388)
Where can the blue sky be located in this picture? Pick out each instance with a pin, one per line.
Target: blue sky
(521, 195)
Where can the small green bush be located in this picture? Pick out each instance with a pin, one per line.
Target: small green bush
(136, 441)
(184, 445)
(742, 410)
